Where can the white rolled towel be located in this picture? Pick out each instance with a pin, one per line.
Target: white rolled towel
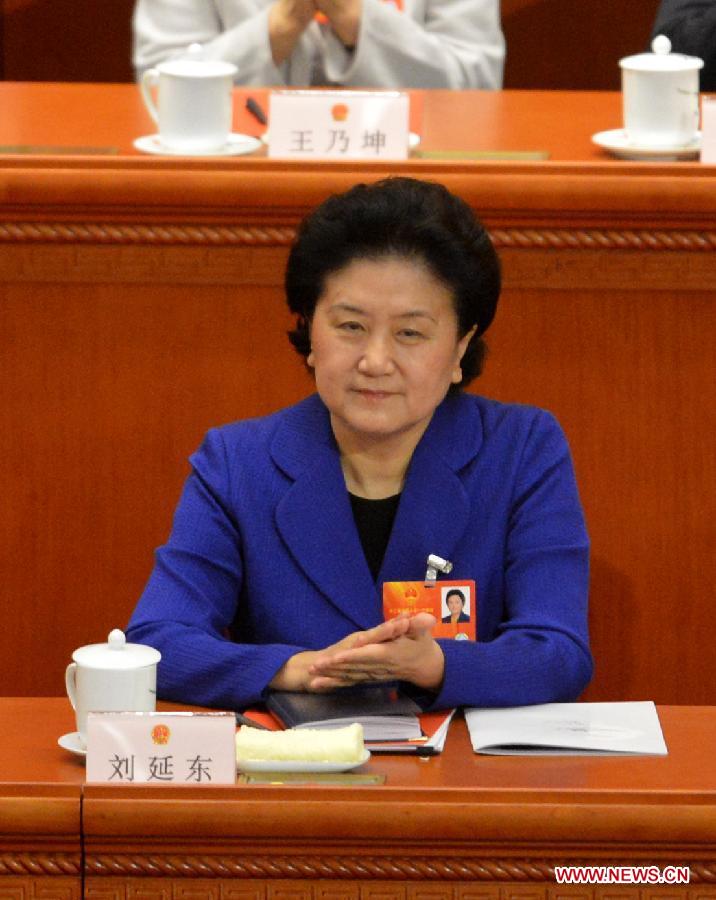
(302, 744)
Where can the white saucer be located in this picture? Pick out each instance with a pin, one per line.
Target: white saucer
(413, 139)
(616, 142)
(237, 145)
(293, 765)
(71, 742)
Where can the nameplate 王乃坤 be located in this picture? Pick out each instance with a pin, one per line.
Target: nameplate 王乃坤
(161, 748)
(334, 125)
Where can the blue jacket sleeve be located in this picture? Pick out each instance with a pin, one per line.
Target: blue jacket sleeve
(192, 597)
(541, 651)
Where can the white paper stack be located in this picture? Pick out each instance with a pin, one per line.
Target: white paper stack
(571, 729)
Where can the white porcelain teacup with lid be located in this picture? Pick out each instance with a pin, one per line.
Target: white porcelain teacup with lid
(193, 108)
(111, 677)
(660, 96)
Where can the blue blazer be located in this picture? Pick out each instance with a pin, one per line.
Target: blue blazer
(264, 558)
(463, 617)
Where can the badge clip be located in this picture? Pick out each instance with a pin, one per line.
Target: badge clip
(436, 564)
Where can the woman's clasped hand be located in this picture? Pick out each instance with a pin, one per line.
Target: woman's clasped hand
(400, 649)
(289, 18)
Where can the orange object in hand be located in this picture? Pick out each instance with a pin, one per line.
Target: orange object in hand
(322, 18)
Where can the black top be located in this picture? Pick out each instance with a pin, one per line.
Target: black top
(374, 521)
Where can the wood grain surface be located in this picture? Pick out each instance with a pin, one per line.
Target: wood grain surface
(450, 827)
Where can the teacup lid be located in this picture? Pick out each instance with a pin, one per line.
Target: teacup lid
(116, 654)
(661, 59)
(193, 65)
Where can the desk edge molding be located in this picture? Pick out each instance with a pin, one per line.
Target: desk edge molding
(229, 235)
(367, 867)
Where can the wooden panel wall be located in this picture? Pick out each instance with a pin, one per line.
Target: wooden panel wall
(117, 359)
(551, 43)
(144, 369)
(558, 44)
(617, 368)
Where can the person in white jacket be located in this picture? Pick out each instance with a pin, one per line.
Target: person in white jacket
(349, 43)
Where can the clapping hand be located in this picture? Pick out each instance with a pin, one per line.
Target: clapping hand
(288, 19)
(286, 22)
(401, 649)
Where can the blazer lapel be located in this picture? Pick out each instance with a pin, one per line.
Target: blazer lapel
(314, 516)
(434, 509)
(316, 522)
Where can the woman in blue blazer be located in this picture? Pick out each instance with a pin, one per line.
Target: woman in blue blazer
(289, 524)
(455, 602)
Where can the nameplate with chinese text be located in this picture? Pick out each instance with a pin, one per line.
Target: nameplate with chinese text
(335, 125)
(161, 748)
(708, 130)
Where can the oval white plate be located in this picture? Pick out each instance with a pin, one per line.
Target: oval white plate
(617, 142)
(71, 742)
(237, 145)
(295, 765)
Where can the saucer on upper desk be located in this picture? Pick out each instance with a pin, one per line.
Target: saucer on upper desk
(617, 142)
(72, 743)
(236, 145)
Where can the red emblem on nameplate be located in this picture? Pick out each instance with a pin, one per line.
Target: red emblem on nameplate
(339, 112)
(161, 734)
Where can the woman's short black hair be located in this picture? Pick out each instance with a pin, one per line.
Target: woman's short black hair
(405, 218)
(455, 592)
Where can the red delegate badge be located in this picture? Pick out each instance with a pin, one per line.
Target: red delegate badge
(453, 603)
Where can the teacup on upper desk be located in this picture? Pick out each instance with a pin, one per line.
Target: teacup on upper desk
(660, 102)
(660, 95)
(193, 109)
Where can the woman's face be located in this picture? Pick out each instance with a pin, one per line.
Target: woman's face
(454, 604)
(384, 347)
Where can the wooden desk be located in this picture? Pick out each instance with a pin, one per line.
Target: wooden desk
(40, 800)
(454, 827)
(140, 303)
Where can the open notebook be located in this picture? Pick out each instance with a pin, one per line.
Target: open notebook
(392, 723)
(383, 711)
(572, 729)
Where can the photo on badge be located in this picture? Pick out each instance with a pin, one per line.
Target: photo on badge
(453, 603)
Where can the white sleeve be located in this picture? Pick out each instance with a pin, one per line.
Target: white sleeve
(442, 44)
(163, 29)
